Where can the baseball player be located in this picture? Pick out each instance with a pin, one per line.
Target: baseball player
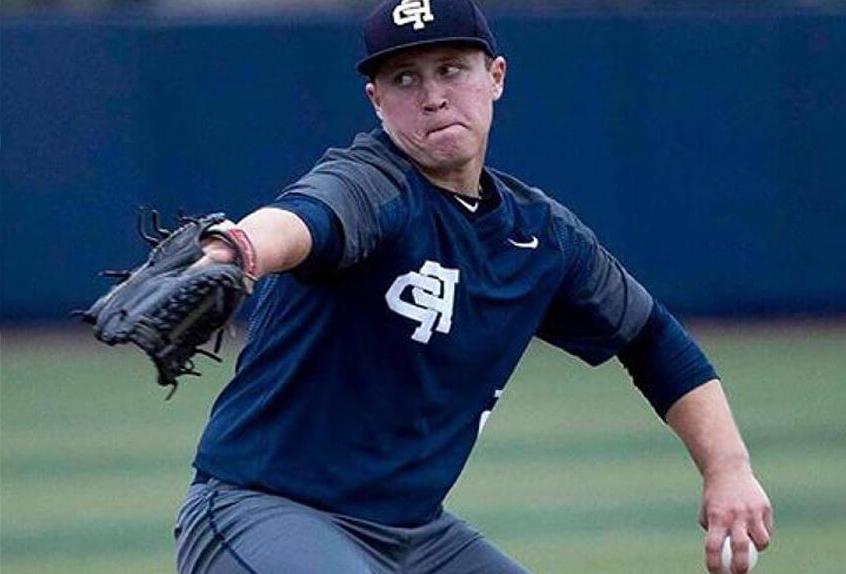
(401, 281)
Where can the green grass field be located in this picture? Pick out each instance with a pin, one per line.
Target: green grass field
(574, 473)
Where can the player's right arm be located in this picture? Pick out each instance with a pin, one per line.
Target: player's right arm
(332, 218)
(280, 241)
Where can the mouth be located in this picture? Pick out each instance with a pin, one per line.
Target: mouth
(443, 128)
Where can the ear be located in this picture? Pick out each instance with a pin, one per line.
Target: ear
(499, 67)
(373, 96)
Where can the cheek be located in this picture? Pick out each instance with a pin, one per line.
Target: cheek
(477, 106)
(400, 115)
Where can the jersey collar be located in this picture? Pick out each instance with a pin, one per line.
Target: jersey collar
(471, 204)
(493, 219)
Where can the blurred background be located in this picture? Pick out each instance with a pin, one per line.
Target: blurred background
(702, 141)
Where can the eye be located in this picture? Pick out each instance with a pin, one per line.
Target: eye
(450, 70)
(403, 79)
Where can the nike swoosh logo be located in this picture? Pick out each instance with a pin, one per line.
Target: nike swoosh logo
(533, 244)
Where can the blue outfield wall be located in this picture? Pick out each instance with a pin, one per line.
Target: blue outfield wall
(707, 152)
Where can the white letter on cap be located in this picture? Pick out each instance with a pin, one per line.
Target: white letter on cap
(416, 12)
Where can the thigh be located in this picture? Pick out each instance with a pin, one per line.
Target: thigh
(459, 549)
(481, 557)
(225, 530)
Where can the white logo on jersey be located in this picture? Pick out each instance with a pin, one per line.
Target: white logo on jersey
(433, 291)
(485, 414)
(416, 12)
(533, 244)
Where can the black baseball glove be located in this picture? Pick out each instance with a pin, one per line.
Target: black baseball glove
(168, 306)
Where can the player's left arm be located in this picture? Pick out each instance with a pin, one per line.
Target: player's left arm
(675, 376)
(733, 501)
(602, 311)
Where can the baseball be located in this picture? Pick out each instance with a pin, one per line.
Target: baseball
(727, 554)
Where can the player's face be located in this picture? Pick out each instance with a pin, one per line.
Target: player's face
(437, 104)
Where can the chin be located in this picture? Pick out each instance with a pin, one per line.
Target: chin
(443, 152)
(447, 160)
(452, 154)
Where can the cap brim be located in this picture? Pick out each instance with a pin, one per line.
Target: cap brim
(370, 65)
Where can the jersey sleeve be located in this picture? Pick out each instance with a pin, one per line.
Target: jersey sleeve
(366, 203)
(664, 361)
(598, 307)
(327, 238)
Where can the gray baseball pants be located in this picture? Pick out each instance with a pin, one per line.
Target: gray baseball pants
(223, 529)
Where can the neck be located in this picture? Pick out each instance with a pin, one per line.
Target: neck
(464, 181)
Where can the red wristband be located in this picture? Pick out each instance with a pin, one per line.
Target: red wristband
(246, 252)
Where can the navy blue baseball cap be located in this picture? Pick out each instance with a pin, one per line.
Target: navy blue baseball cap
(400, 24)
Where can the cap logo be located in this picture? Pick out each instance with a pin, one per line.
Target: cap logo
(416, 12)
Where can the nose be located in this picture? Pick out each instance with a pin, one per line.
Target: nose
(434, 97)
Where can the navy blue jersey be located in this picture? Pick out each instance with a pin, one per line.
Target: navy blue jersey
(364, 383)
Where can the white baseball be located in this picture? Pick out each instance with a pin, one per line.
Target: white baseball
(727, 554)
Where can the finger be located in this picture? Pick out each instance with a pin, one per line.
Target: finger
(769, 521)
(759, 534)
(739, 549)
(703, 520)
(714, 547)
(204, 260)
(216, 250)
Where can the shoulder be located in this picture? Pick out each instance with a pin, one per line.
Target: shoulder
(367, 176)
(365, 186)
(369, 164)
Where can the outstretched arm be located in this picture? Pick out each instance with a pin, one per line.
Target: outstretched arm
(733, 501)
(280, 241)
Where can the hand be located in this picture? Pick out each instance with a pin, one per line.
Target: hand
(219, 251)
(216, 250)
(734, 504)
